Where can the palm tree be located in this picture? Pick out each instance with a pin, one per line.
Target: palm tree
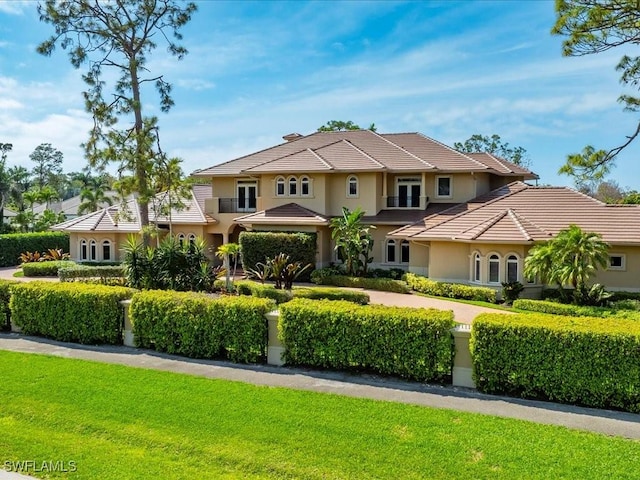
(31, 197)
(47, 195)
(569, 259)
(353, 240)
(225, 252)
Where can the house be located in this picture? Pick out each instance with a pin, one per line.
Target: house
(397, 179)
(485, 241)
(70, 206)
(99, 236)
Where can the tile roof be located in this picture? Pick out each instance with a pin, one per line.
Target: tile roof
(118, 218)
(289, 214)
(520, 213)
(364, 150)
(70, 206)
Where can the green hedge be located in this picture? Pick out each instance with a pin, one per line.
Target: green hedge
(85, 272)
(555, 308)
(248, 287)
(578, 360)
(412, 343)
(45, 269)
(5, 296)
(450, 290)
(257, 246)
(383, 284)
(69, 312)
(13, 244)
(255, 289)
(196, 325)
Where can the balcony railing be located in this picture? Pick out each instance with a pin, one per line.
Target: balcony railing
(236, 205)
(403, 202)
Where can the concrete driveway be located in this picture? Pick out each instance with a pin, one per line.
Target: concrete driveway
(6, 273)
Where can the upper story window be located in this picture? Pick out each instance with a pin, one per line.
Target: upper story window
(352, 186)
(293, 186)
(106, 250)
(494, 269)
(512, 269)
(617, 262)
(443, 187)
(305, 188)
(280, 186)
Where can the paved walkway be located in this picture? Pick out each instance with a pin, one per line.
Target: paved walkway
(364, 386)
(6, 273)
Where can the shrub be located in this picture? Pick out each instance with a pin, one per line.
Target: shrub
(196, 325)
(555, 308)
(412, 343)
(13, 244)
(45, 269)
(81, 273)
(511, 291)
(584, 360)
(327, 293)
(251, 288)
(383, 284)
(257, 246)
(450, 290)
(69, 312)
(5, 296)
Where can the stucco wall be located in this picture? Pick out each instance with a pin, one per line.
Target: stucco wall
(627, 279)
(336, 193)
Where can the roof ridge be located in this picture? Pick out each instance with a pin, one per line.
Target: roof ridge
(197, 204)
(516, 219)
(455, 151)
(487, 224)
(405, 151)
(520, 217)
(275, 159)
(321, 158)
(364, 153)
(101, 215)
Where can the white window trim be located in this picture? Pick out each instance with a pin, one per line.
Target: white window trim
(623, 267)
(476, 256)
(357, 182)
(86, 245)
(104, 244)
(93, 250)
(438, 177)
(499, 262)
(403, 242)
(288, 186)
(518, 266)
(284, 186)
(387, 244)
(309, 185)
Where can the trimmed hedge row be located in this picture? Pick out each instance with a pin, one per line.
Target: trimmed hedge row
(248, 287)
(555, 308)
(584, 360)
(91, 272)
(196, 325)
(412, 343)
(257, 246)
(13, 244)
(382, 284)
(45, 269)
(5, 296)
(255, 289)
(450, 290)
(69, 313)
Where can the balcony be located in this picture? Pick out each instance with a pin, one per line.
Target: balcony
(237, 205)
(404, 202)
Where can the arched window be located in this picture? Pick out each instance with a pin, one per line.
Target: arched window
(83, 250)
(106, 250)
(181, 238)
(494, 269)
(391, 251)
(305, 190)
(280, 186)
(192, 239)
(352, 186)
(293, 186)
(512, 268)
(93, 250)
(476, 267)
(404, 251)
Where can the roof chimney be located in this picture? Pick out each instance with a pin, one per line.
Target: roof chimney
(292, 137)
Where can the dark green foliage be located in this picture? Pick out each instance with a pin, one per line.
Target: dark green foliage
(412, 343)
(69, 312)
(511, 291)
(555, 308)
(450, 290)
(45, 269)
(383, 284)
(281, 270)
(13, 244)
(196, 325)
(5, 296)
(104, 274)
(257, 246)
(251, 288)
(577, 360)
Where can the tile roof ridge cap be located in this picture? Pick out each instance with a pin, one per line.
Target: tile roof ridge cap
(321, 158)
(455, 151)
(363, 152)
(101, 214)
(517, 219)
(488, 224)
(267, 162)
(421, 160)
(197, 204)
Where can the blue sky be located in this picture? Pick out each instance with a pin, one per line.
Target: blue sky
(259, 70)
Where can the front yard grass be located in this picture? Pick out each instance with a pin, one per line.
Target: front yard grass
(119, 422)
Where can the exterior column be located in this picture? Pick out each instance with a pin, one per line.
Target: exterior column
(384, 189)
(423, 192)
(275, 348)
(462, 375)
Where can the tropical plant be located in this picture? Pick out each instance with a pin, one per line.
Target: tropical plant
(135, 262)
(29, 257)
(282, 271)
(511, 291)
(569, 259)
(353, 240)
(55, 254)
(227, 252)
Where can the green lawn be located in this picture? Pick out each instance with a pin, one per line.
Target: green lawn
(118, 422)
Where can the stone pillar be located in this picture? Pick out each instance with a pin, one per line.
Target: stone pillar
(275, 348)
(462, 364)
(15, 328)
(127, 332)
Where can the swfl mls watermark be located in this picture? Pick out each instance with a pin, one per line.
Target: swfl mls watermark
(40, 466)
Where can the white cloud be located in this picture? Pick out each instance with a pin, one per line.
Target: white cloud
(197, 84)
(15, 7)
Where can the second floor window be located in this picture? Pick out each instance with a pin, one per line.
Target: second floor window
(443, 187)
(352, 186)
(304, 186)
(293, 186)
(280, 186)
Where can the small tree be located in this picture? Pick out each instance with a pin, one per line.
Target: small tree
(569, 259)
(353, 240)
(227, 252)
